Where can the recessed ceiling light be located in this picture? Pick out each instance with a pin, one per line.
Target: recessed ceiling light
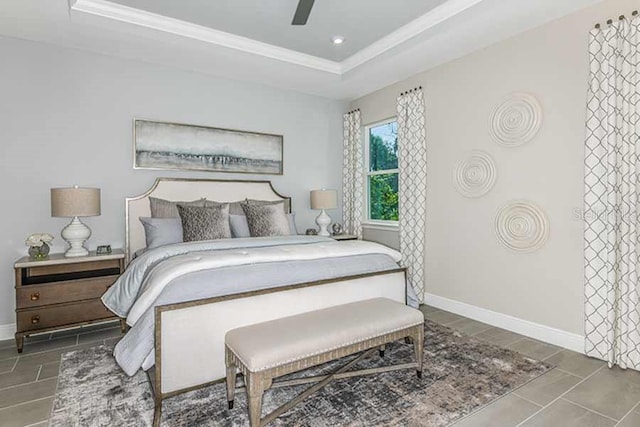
(337, 39)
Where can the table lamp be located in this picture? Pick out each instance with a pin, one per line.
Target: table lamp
(324, 199)
(75, 202)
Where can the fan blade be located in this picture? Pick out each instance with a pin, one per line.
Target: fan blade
(302, 12)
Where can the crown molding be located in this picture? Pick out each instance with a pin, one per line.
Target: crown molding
(419, 25)
(122, 13)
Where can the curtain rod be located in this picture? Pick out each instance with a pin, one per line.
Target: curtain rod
(411, 90)
(353, 111)
(621, 17)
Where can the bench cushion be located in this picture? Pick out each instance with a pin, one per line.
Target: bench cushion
(277, 342)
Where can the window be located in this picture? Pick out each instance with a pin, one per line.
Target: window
(381, 163)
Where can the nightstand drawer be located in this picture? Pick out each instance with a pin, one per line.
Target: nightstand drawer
(61, 315)
(73, 290)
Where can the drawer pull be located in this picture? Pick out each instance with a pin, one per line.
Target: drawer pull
(35, 296)
(35, 320)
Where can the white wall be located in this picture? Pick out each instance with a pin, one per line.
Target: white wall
(464, 260)
(66, 118)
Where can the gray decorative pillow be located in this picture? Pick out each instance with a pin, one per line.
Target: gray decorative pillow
(161, 208)
(161, 231)
(200, 223)
(234, 207)
(285, 203)
(266, 220)
(240, 226)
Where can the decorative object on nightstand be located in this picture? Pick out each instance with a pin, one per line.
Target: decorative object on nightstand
(75, 202)
(322, 200)
(39, 245)
(336, 229)
(61, 292)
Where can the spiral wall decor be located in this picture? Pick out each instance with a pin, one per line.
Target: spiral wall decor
(475, 175)
(522, 226)
(516, 120)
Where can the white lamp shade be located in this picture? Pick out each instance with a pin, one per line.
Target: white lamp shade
(324, 199)
(75, 201)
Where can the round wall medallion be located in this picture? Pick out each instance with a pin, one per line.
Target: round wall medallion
(522, 226)
(516, 120)
(475, 175)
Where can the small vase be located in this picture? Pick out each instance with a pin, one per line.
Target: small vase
(39, 252)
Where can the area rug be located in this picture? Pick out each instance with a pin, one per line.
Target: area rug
(460, 375)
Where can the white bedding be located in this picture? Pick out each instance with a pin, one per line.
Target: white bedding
(177, 273)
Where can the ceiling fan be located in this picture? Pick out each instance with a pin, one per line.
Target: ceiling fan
(302, 12)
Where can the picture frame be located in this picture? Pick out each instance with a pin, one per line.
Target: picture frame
(178, 146)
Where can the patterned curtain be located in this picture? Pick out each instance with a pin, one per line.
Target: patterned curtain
(412, 165)
(612, 310)
(352, 175)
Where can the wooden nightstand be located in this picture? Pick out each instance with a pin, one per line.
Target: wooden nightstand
(60, 292)
(344, 237)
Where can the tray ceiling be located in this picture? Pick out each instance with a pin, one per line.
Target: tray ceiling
(360, 22)
(371, 58)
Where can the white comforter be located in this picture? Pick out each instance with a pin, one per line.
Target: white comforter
(149, 283)
(142, 286)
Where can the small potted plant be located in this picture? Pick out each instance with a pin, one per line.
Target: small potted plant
(38, 244)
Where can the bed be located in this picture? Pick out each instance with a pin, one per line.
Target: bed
(182, 298)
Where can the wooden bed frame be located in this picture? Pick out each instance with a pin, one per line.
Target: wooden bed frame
(189, 336)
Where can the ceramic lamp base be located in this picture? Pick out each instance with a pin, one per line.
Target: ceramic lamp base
(75, 234)
(323, 220)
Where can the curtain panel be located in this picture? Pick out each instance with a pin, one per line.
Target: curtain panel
(612, 311)
(353, 175)
(412, 177)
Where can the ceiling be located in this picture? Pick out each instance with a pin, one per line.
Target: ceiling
(360, 22)
(386, 41)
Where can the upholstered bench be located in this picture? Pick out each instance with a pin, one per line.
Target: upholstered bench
(264, 351)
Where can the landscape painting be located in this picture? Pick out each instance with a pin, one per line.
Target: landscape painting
(159, 145)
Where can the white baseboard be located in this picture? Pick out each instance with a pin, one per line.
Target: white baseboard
(540, 332)
(7, 332)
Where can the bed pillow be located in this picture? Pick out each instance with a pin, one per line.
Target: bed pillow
(291, 219)
(285, 203)
(202, 223)
(161, 208)
(266, 220)
(161, 231)
(240, 226)
(234, 207)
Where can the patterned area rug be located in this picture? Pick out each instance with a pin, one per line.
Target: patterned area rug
(460, 375)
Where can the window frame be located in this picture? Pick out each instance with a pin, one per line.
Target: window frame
(368, 222)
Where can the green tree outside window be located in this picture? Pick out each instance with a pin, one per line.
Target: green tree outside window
(383, 172)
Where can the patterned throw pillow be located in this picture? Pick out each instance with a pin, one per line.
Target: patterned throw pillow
(200, 223)
(266, 220)
(161, 208)
(285, 203)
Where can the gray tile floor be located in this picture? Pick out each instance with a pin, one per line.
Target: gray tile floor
(580, 391)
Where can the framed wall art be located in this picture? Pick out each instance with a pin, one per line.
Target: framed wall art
(160, 145)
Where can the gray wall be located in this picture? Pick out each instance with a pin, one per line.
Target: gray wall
(66, 118)
(464, 261)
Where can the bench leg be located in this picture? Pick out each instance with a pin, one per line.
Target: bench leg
(418, 348)
(255, 388)
(231, 384)
(157, 413)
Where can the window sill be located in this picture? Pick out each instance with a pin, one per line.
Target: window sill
(381, 225)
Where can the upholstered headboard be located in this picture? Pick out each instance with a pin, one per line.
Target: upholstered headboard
(186, 189)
